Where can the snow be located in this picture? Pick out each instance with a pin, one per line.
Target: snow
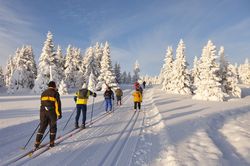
(171, 130)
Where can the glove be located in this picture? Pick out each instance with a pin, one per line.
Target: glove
(94, 95)
(113, 98)
(59, 117)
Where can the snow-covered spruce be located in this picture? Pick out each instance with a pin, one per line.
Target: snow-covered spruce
(117, 70)
(73, 68)
(228, 75)
(92, 82)
(107, 76)
(165, 77)
(244, 72)
(2, 84)
(62, 89)
(209, 86)
(23, 71)
(47, 60)
(180, 83)
(90, 64)
(136, 71)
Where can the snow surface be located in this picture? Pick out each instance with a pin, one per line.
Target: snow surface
(171, 130)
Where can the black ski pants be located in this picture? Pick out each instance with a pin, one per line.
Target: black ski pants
(137, 104)
(47, 117)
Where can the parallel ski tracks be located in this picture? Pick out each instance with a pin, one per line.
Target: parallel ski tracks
(45, 147)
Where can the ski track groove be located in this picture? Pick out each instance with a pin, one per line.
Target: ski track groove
(126, 139)
(104, 159)
(230, 155)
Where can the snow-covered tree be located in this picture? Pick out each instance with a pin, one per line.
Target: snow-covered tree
(92, 82)
(9, 71)
(209, 87)
(244, 72)
(78, 72)
(136, 70)
(62, 89)
(223, 69)
(124, 77)
(90, 64)
(73, 68)
(129, 78)
(195, 73)
(60, 62)
(107, 76)
(167, 69)
(2, 84)
(98, 57)
(47, 59)
(232, 87)
(117, 70)
(24, 72)
(181, 82)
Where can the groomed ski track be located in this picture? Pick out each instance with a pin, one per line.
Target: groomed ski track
(107, 142)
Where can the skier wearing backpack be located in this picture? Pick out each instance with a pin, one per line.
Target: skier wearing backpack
(108, 96)
(50, 112)
(119, 94)
(137, 99)
(81, 100)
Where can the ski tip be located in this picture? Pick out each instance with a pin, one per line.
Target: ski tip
(30, 154)
(22, 148)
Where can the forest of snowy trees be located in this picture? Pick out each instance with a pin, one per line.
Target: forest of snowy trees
(212, 76)
(70, 72)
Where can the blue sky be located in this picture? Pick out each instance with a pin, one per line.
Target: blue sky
(136, 29)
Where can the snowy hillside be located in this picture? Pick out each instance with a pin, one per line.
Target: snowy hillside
(171, 130)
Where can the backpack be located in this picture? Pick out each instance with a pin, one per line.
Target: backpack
(83, 94)
(118, 92)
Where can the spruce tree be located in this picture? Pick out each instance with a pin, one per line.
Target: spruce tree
(167, 69)
(62, 89)
(117, 70)
(181, 82)
(2, 84)
(47, 59)
(209, 86)
(244, 72)
(136, 70)
(107, 76)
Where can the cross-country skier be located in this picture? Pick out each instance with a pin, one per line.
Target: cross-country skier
(137, 99)
(50, 111)
(108, 96)
(119, 94)
(81, 99)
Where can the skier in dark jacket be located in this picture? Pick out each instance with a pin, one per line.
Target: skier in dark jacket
(144, 84)
(108, 96)
(81, 100)
(50, 111)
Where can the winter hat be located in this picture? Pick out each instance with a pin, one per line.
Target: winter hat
(84, 85)
(52, 84)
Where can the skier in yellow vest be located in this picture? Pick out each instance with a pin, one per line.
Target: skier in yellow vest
(137, 99)
(81, 100)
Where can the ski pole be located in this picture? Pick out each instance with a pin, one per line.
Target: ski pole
(93, 103)
(69, 118)
(31, 136)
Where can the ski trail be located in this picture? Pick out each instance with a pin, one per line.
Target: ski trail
(82, 144)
